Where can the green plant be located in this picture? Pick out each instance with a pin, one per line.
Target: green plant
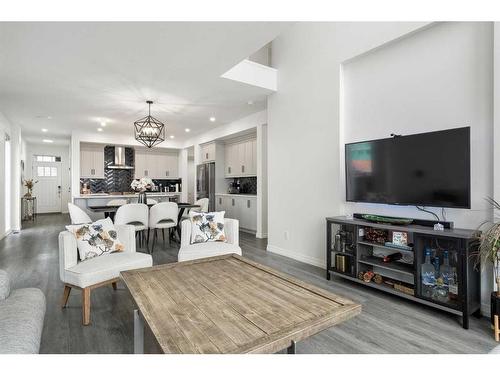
(489, 245)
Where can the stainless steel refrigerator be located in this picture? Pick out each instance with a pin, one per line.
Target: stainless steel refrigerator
(205, 183)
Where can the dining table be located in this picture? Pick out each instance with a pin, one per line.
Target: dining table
(110, 211)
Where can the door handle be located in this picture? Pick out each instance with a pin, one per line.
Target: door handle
(220, 200)
(242, 169)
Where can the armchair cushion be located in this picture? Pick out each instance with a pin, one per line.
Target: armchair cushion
(96, 239)
(207, 227)
(100, 269)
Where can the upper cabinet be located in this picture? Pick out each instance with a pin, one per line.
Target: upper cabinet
(91, 161)
(156, 164)
(207, 152)
(241, 158)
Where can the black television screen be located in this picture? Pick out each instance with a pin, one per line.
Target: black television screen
(428, 169)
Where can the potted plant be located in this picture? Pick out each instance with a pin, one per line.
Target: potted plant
(489, 253)
(30, 184)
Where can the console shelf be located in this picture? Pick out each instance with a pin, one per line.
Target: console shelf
(402, 279)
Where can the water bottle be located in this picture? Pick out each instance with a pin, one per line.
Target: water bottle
(428, 275)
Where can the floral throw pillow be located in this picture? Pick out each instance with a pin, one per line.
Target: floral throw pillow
(207, 227)
(96, 239)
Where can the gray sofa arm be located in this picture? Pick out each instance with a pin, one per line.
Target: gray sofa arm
(4, 285)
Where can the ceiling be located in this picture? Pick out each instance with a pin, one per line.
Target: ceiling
(71, 76)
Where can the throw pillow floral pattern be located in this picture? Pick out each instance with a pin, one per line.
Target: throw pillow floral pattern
(96, 239)
(207, 227)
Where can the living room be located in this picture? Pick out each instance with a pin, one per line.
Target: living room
(277, 187)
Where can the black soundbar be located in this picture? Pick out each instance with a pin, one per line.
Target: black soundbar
(423, 222)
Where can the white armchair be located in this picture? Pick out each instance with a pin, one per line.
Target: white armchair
(190, 251)
(99, 271)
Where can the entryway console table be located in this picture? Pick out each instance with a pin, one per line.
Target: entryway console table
(374, 254)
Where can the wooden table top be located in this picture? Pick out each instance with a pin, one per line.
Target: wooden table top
(229, 304)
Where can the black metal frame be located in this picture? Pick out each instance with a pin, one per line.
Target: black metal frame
(156, 133)
(468, 276)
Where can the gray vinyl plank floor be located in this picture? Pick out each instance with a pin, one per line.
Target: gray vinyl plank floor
(387, 324)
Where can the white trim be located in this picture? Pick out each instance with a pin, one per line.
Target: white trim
(6, 234)
(297, 256)
(261, 235)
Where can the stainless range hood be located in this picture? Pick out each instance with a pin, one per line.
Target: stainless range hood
(120, 162)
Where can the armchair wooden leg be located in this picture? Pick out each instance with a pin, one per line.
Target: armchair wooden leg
(114, 286)
(64, 301)
(497, 329)
(86, 306)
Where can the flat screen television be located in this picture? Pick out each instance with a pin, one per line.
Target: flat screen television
(428, 169)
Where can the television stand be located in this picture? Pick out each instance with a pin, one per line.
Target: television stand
(355, 249)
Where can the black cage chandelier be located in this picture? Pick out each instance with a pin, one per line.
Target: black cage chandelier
(148, 130)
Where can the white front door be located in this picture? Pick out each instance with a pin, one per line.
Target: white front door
(48, 188)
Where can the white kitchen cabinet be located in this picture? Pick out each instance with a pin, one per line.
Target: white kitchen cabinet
(240, 207)
(241, 158)
(91, 161)
(207, 152)
(156, 164)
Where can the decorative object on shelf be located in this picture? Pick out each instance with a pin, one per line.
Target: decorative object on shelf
(340, 263)
(408, 247)
(404, 289)
(368, 276)
(376, 235)
(388, 220)
(489, 252)
(392, 257)
(378, 279)
(142, 184)
(399, 238)
(148, 130)
(29, 184)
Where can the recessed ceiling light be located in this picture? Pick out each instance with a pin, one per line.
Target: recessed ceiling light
(250, 102)
(99, 129)
(48, 141)
(212, 119)
(49, 117)
(44, 130)
(103, 123)
(172, 137)
(187, 130)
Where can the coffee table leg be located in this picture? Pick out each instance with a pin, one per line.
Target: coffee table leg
(138, 333)
(292, 348)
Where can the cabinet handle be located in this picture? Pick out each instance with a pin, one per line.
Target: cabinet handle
(206, 156)
(167, 173)
(92, 172)
(228, 169)
(145, 172)
(242, 169)
(232, 202)
(248, 203)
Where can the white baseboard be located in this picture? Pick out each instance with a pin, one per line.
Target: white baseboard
(261, 235)
(297, 256)
(486, 309)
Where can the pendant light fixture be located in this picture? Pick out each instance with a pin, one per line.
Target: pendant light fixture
(148, 130)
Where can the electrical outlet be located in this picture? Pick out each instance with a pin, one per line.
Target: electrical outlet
(287, 235)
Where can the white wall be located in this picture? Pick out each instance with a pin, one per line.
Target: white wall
(305, 118)
(63, 152)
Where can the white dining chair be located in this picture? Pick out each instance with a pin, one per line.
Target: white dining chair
(203, 203)
(77, 215)
(136, 214)
(116, 202)
(162, 216)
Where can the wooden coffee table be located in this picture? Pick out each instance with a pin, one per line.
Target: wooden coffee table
(229, 304)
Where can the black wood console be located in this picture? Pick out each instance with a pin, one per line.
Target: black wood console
(361, 251)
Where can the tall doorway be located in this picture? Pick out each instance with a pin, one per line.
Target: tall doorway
(7, 182)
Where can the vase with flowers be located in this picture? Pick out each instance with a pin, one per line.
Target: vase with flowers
(29, 184)
(141, 185)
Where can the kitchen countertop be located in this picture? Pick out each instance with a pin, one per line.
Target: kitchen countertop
(118, 196)
(238, 195)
